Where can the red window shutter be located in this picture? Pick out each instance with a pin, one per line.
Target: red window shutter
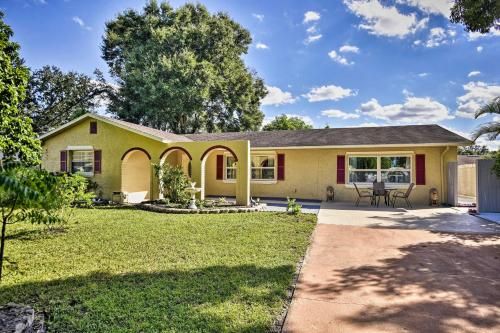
(340, 169)
(93, 127)
(97, 161)
(63, 161)
(220, 167)
(281, 166)
(420, 169)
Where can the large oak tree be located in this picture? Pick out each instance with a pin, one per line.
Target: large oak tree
(182, 70)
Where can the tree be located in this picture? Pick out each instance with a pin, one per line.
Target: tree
(476, 15)
(284, 122)
(55, 97)
(17, 140)
(490, 129)
(473, 150)
(182, 70)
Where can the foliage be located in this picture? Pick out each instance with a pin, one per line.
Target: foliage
(182, 70)
(55, 98)
(476, 15)
(177, 273)
(74, 192)
(27, 195)
(490, 129)
(473, 150)
(284, 122)
(173, 182)
(293, 207)
(496, 165)
(17, 140)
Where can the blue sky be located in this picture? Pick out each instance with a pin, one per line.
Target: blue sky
(341, 63)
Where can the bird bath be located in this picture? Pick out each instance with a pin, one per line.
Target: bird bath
(192, 191)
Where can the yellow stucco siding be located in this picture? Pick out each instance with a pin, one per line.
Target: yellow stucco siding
(308, 172)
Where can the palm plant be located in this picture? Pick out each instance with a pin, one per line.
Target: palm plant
(492, 128)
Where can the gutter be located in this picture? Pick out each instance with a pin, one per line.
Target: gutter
(442, 173)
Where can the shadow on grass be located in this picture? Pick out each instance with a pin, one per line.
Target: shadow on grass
(243, 298)
(428, 287)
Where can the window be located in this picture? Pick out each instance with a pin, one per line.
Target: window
(230, 167)
(82, 161)
(389, 169)
(263, 167)
(93, 127)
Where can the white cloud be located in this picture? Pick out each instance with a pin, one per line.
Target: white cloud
(479, 49)
(384, 20)
(452, 33)
(312, 38)
(349, 48)
(476, 35)
(423, 74)
(437, 36)
(477, 94)
(41, 2)
(312, 29)
(261, 46)
(329, 93)
(417, 42)
(482, 141)
(438, 7)
(413, 110)
(311, 16)
(276, 96)
(81, 23)
(332, 113)
(259, 17)
(473, 73)
(339, 59)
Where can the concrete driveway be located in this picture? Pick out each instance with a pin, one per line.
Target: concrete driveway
(385, 270)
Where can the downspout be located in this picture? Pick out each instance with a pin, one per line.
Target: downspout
(442, 172)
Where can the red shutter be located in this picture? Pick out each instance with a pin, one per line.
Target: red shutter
(63, 161)
(220, 167)
(281, 166)
(340, 169)
(97, 161)
(420, 169)
(93, 127)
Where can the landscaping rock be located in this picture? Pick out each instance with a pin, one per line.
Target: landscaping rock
(17, 318)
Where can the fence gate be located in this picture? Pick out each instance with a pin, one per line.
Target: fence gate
(452, 177)
(488, 187)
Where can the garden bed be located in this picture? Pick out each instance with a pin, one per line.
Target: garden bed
(161, 208)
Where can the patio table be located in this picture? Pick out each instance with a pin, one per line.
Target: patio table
(387, 189)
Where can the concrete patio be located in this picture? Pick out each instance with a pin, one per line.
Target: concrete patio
(396, 270)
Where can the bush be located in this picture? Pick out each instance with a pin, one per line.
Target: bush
(173, 183)
(293, 207)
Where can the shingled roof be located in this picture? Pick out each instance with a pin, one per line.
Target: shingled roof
(355, 136)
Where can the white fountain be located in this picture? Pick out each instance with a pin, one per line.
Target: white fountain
(192, 191)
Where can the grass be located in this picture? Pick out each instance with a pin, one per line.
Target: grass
(135, 271)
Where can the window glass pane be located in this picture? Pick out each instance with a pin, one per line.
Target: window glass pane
(82, 161)
(396, 176)
(395, 162)
(362, 162)
(230, 173)
(230, 162)
(362, 176)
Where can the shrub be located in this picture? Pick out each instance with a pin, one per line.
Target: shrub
(293, 207)
(173, 182)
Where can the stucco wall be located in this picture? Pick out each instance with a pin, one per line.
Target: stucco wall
(308, 172)
(467, 180)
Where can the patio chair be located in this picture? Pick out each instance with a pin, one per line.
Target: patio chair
(403, 195)
(379, 191)
(363, 194)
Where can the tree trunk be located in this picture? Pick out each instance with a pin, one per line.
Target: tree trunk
(2, 246)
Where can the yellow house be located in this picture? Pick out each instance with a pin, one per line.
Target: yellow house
(118, 155)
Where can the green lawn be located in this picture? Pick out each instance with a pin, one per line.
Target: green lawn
(134, 271)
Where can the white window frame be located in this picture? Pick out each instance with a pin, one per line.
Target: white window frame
(225, 179)
(259, 181)
(91, 152)
(379, 169)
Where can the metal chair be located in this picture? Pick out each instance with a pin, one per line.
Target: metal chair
(363, 194)
(379, 191)
(403, 195)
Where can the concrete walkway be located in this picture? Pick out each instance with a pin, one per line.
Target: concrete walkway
(428, 270)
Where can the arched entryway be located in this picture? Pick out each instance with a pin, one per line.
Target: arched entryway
(136, 175)
(177, 156)
(218, 172)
